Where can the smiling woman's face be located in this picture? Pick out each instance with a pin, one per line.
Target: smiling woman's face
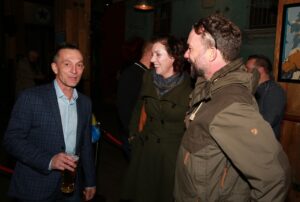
(162, 61)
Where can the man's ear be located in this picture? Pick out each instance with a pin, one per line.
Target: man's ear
(54, 67)
(212, 53)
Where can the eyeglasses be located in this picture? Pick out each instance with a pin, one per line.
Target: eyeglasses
(201, 27)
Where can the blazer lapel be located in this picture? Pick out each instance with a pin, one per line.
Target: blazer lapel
(55, 110)
(80, 116)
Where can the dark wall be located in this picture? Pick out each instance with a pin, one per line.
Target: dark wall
(107, 43)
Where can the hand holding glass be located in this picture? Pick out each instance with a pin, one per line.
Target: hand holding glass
(68, 178)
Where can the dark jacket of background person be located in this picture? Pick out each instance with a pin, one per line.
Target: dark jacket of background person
(129, 87)
(271, 100)
(35, 135)
(151, 173)
(270, 96)
(130, 80)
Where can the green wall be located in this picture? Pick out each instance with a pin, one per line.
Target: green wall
(186, 12)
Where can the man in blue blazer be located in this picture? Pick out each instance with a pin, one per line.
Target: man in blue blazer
(46, 123)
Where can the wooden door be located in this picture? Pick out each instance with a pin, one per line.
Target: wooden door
(290, 136)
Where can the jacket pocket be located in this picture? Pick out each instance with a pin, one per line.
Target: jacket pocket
(232, 183)
(224, 175)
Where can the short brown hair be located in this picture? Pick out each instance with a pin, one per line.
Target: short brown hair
(227, 37)
(262, 61)
(64, 46)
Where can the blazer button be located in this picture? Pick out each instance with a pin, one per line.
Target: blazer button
(158, 140)
(162, 121)
(62, 148)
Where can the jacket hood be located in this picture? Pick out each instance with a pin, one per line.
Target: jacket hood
(233, 73)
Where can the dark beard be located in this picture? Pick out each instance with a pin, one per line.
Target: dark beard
(196, 72)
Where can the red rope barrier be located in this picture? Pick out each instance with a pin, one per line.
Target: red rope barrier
(5, 169)
(113, 139)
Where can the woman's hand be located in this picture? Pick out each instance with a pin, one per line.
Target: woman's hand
(131, 138)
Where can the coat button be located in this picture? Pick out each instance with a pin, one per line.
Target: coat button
(158, 140)
(162, 121)
(62, 148)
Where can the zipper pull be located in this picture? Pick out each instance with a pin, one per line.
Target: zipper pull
(192, 117)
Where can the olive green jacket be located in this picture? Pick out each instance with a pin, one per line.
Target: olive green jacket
(158, 109)
(150, 175)
(229, 153)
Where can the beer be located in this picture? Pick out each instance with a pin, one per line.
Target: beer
(68, 179)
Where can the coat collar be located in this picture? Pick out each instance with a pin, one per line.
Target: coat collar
(233, 73)
(55, 108)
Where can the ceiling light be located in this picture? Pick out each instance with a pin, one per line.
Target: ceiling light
(144, 5)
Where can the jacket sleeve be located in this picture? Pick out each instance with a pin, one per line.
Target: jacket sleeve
(16, 139)
(248, 141)
(87, 154)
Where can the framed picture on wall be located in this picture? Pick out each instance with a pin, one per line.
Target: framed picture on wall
(289, 57)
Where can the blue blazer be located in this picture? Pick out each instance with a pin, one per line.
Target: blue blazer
(34, 135)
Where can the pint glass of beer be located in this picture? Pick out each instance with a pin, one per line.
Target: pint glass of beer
(68, 178)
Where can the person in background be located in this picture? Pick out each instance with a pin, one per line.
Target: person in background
(28, 72)
(269, 95)
(228, 151)
(131, 52)
(129, 86)
(164, 98)
(47, 122)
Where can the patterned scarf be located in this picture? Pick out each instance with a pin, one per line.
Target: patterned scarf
(165, 85)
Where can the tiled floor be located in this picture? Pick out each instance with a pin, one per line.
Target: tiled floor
(112, 165)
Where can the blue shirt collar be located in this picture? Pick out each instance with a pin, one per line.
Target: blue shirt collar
(60, 94)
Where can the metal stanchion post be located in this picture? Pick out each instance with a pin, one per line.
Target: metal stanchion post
(98, 145)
